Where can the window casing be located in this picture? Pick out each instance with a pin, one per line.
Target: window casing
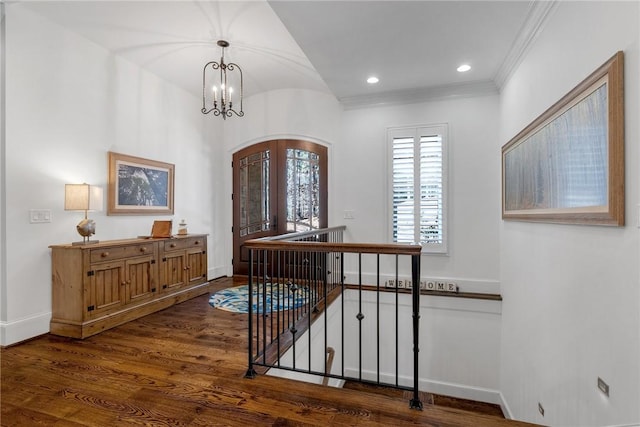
(419, 172)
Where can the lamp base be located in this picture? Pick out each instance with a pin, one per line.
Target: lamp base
(86, 228)
(85, 242)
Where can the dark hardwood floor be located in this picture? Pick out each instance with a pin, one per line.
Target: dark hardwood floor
(184, 366)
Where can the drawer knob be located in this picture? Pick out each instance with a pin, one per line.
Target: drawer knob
(173, 245)
(104, 254)
(197, 242)
(143, 249)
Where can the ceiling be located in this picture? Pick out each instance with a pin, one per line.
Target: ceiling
(413, 47)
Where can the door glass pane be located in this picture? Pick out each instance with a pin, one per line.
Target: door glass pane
(254, 193)
(303, 190)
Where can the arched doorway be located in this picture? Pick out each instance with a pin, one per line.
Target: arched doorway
(279, 186)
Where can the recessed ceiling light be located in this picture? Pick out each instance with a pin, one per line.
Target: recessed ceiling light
(373, 80)
(463, 68)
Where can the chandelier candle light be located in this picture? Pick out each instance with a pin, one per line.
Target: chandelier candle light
(217, 95)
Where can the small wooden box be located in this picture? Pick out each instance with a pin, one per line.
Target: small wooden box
(161, 229)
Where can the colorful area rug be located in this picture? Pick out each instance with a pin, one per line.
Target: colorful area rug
(279, 297)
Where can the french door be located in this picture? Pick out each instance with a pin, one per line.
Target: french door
(279, 186)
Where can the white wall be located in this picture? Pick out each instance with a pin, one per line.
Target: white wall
(361, 165)
(285, 113)
(69, 102)
(3, 181)
(572, 293)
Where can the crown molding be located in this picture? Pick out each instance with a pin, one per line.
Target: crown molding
(450, 91)
(536, 18)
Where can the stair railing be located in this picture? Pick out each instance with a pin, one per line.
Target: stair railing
(297, 281)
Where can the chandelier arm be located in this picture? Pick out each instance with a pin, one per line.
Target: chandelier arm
(204, 76)
(231, 111)
(231, 66)
(214, 65)
(226, 86)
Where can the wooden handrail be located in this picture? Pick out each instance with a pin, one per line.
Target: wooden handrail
(302, 234)
(291, 242)
(363, 248)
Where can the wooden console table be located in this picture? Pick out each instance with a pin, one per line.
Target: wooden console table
(102, 285)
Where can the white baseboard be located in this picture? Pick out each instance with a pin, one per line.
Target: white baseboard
(215, 272)
(506, 411)
(460, 391)
(23, 329)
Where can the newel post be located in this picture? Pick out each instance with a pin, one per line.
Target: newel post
(415, 402)
(251, 373)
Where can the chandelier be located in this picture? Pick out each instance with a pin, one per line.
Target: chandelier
(218, 89)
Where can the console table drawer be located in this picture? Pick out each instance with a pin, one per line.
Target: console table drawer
(184, 243)
(119, 252)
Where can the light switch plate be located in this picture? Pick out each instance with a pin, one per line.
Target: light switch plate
(39, 216)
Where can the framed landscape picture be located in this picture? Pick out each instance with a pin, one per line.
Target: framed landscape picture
(567, 166)
(139, 186)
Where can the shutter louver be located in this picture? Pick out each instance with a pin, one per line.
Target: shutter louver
(431, 189)
(403, 190)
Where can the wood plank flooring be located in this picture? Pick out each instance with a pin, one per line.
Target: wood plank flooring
(184, 366)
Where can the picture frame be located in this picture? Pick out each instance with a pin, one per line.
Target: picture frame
(139, 186)
(567, 166)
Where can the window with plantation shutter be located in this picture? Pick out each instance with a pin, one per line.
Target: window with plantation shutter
(418, 186)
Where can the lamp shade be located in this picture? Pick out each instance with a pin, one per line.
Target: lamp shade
(82, 197)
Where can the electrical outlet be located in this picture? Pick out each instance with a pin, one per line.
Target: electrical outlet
(540, 409)
(604, 387)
